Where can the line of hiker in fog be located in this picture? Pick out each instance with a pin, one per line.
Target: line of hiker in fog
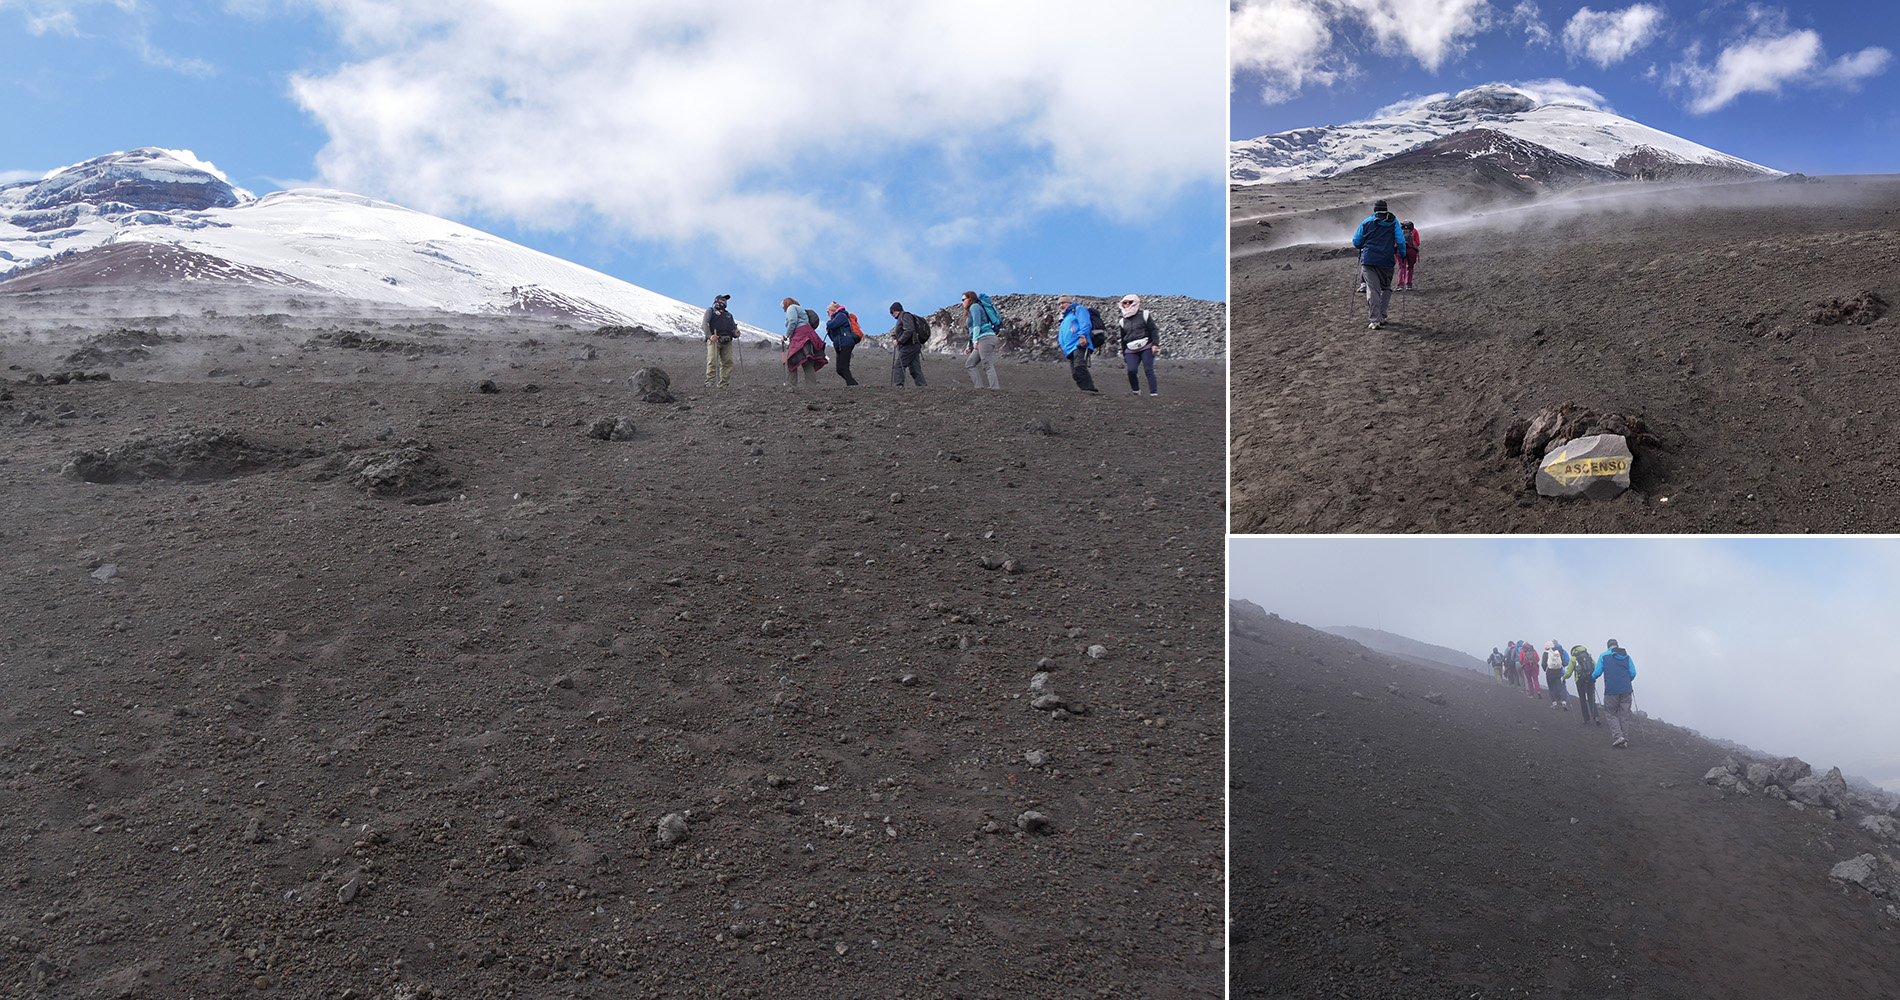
(1520, 664)
(808, 337)
(1385, 245)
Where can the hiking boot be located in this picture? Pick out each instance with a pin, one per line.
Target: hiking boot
(1374, 325)
(1619, 742)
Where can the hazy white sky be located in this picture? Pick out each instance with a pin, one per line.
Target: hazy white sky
(1791, 646)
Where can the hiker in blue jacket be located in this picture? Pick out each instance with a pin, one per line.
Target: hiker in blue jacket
(1072, 337)
(1617, 672)
(843, 339)
(983, 340)
(1379, 241)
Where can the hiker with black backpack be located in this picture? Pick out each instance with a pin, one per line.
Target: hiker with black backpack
(908, 336)
(842, 328)
(721, 332)
(1583, 672)
(985, 323)
(1619, 676)
(1379, 241)
(804, 352)
(1076, 338)
(1140, 340)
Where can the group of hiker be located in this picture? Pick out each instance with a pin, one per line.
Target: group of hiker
(1388, 254)
(808, 337)
(1521, 663)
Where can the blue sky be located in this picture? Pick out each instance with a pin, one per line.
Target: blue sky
(1775, 643)
(848, 149)
(1811, 87)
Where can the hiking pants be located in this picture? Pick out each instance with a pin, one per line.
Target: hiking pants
(810, 368)
(1079, 369)
(1530, 681)
(1378, 290)
(982, 355)
(1404, 276)
(1617, 707)
(1587, 698)
(719, 356)
(844, 363)
(1554, 679)
(907, 358)
(1140, 360)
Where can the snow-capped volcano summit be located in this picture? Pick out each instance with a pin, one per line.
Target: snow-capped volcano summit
(80, 225)
(1568, 126)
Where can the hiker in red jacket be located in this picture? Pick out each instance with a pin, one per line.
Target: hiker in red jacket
(1407, 257)
(1527, 664)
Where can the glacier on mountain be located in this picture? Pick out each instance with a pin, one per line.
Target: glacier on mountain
(1562, 122)
(342, 244)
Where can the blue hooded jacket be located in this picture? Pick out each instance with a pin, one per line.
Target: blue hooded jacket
(1073, 331)
(838, 325)
(1617, 671)
(1378, 242)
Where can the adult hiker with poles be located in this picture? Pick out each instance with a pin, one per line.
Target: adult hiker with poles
(1379, 241)
(1556, 661)
(1583, 670)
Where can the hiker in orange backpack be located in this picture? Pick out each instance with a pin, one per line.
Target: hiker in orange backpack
(841, 328)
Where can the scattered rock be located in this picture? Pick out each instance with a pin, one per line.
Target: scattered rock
(611, 429)
(1042, 426)
(203, 454)
(1883, 827)
(652, 385)
(671, 829)
(347, 892)
(1860, 310)
(409, 472)
(564, 682)
(487, 386)
(1046, 664)
(1789, 770)
(1394, 689)
(1759, 774)
(1434, 697)
(106, 572)
(1046, 703)
(1597, 466)
(1864, 871)
(1033, 822)
(1097, 651)
(254, 833)
(1036, 758)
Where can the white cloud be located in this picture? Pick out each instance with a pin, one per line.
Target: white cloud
(1609, 37)
(1290, 44)
(1563, 92)
(1285, 42)
(1764, 63)
(1527, 18)
(1848, 71)
(63, 17)
(780, 130)
(60, 16)
(1430, 31)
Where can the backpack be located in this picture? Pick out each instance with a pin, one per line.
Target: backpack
(1580, 659)
(811, 316)
(1098, 334)
(856, 330)
(919, 330)
(990, 315)
(1526, 656)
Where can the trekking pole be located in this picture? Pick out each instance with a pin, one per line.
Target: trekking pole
(1402, 297)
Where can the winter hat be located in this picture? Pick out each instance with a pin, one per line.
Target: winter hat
(896, 307)
(1131, 304)
(1611, 644)
(1407, 224)
(721, 298)
(1379, 206)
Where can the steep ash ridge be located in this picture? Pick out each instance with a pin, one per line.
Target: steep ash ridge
(1403, 831)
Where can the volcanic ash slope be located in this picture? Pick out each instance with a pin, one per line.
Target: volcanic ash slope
(1387, 844)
